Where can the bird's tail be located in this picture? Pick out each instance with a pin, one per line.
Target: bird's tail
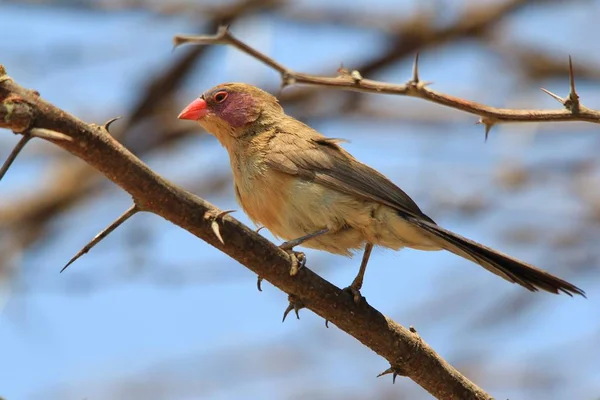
(509, 268)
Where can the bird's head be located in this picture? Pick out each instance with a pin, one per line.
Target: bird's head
(231, 110)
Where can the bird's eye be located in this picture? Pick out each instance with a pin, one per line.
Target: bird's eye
(220, 97)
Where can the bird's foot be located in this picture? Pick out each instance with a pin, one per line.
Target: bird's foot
(354, 291)
(294, 304)
(298, 258)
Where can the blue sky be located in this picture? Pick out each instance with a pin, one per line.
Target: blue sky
(177, 310)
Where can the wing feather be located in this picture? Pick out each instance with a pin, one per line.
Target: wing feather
(323, 161)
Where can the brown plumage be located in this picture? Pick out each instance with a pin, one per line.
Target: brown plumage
(295, 182)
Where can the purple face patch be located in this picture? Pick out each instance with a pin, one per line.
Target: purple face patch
(237, 109)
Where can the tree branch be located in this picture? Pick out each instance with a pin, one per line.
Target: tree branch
(406, 352)
(346, 80)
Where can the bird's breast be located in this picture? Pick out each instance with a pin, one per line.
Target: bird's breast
(261, 192)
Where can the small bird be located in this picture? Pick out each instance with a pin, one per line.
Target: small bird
(306, 189)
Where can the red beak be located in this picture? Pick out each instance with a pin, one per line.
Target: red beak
(195, 110)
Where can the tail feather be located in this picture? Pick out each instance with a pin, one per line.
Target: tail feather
(509, 268)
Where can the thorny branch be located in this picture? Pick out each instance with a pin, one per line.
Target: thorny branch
(406, 36)
(349, 80)
(406, 352)
(353, 80)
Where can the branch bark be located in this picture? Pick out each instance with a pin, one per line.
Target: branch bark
(22, 110)
(346, 80)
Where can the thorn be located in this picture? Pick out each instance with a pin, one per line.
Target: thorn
(342, 71)
(413, 329)
(109, 123)
(394, 371)
(14, 153)
(573, 103)
(327, 323)
(390, 370)
(260, 228)
(488, 126)
(215, 225)
(224, 213)
(294, 304)
(104, 233)
(258, 285)
(554, 96)
(215, 228)
(49, 134)
(415, 78)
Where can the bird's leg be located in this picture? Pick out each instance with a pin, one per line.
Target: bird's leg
(356, 284)
(298, 258)
(290, 244)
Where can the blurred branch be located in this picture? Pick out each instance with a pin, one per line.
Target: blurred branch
(406, 352)
(347, 80)
(27, 217)
(537, 64)
(421, 32)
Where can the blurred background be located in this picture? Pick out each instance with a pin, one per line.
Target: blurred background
(154, 313)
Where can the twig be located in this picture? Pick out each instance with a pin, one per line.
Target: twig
(489, 115)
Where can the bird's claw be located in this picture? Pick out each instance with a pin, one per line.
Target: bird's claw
(298, 260)
(294, 304)
(355, 293)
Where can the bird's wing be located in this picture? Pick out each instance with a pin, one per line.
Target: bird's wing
(321, 160)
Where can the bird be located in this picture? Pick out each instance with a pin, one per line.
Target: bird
(308, 190)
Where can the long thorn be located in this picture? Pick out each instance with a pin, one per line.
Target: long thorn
(49, 134)
(105, 232)
(554, 96)
(488, 128)
(415, 78)
(13, 154)
(573, 96)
